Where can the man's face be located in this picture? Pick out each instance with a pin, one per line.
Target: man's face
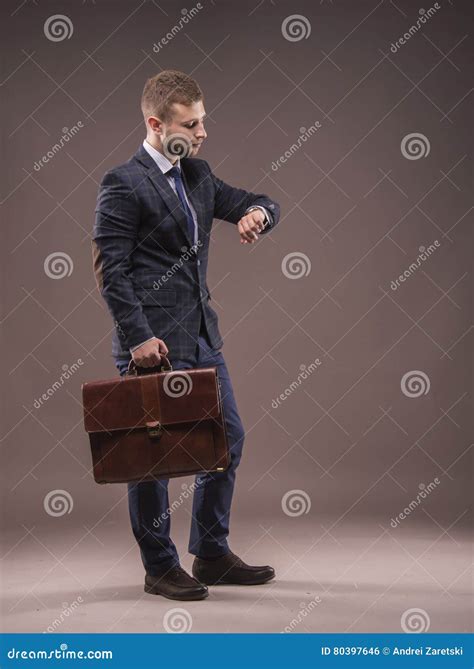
(186, 126)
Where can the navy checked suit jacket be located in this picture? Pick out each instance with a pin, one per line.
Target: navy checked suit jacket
(147, 268)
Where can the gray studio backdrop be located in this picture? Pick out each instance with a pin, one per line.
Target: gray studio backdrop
(352, 383)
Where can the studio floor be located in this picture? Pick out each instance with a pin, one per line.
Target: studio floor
(364, 577)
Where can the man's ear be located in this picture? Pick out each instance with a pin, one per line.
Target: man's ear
(155, 124)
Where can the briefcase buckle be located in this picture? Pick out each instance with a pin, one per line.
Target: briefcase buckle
(155, 429)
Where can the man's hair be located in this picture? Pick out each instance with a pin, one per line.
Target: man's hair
(166, 88)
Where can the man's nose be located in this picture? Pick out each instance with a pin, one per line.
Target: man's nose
(201, 133)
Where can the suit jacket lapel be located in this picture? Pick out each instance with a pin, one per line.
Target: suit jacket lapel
(161, 184)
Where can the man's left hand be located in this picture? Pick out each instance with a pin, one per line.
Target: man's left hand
(250, 225)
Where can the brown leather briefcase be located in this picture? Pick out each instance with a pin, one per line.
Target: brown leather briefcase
(159, 424)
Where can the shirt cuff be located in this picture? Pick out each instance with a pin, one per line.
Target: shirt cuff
(133, 348)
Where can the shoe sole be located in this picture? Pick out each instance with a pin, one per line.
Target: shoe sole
(185, 598)
(224, 581)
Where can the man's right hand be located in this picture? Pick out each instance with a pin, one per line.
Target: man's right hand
(149, 354)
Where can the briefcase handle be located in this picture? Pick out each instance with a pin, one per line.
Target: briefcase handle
(164, 366)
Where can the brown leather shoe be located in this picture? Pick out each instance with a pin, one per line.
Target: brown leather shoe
(230, 569)
(175, 583)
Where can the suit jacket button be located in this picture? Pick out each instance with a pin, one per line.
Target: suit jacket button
(198, 262)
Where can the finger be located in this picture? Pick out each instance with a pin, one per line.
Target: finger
(254, 228)
(251, 236)
(155, 361)
(247, 232)
(243, 228)
(257, 219)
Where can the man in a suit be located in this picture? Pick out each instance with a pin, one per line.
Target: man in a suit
(150, 246)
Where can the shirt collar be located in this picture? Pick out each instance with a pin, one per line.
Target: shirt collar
(162, 161)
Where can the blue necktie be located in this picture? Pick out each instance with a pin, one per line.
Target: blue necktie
(175, 172)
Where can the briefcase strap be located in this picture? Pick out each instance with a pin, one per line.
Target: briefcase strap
(151, 404)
